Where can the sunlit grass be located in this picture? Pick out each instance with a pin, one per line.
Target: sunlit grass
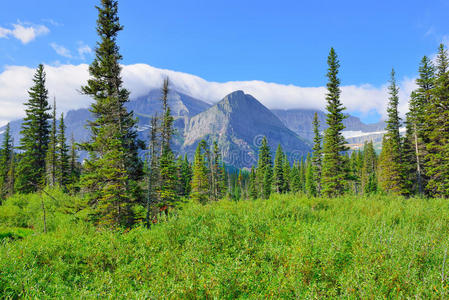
(286, 247)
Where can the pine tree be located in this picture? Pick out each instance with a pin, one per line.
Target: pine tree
(317, 154)
(113, 168)
(334, 174)
(10, 185)
(252, 184)
(217, 183)
(310, 180)
(278, 170)
(200, 182)
(35, 137)
(286, 171)
(75, 167)
(295, 178)
(152, 173)
(63, 174)
(417, 131)
(391, 168)
(437, 127)
(264, 171)
(184, 175)
(6, 155)
(51, 160)
(167, 189)
(368, 176)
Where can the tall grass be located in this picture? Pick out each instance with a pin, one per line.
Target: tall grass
(285, 247)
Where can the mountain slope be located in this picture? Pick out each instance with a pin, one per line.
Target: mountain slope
(238, 123)
(300, 121)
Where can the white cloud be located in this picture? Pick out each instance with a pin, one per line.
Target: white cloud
(61, 50)
(24, 33)
(64, 82)
(83, 50)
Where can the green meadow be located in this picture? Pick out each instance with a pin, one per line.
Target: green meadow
(289, 246)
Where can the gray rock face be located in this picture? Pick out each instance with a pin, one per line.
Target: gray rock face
(300, 121)
(238, 123)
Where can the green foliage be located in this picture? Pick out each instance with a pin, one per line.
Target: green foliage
(437, 119)
(113, 168)
(333, 174)
(391, 173)
(369, 168)
(63, 173)
(35, 137)
(200, 180)
(286, 247)
(264, 170)
(278, 171)
(6, 159)
(317, 154)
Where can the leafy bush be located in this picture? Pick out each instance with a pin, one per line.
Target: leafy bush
(285, 247)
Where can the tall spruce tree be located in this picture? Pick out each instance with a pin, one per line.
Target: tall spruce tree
(310, 186)
(113, 167)
(437, 129)
(416, 135)
(200, 182)
(252, 185)
(63, 158)
(278, 170)
(6, 155)
(264, 171)
(152, 173)
(35, 137)
(334, 171)
(168, 180)
(75, 166)
(51, 160)
(317, 154)
(391, 168)
(217, 182)
(368, 175)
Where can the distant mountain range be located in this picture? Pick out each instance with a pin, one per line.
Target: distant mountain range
(238, 123)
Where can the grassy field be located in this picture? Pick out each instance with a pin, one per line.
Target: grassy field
(286, 247)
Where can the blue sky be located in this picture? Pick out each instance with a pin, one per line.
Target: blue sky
(282, 41)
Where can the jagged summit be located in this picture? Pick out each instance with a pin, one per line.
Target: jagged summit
(238, 122)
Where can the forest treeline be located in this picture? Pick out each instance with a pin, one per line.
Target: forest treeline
(121, 187)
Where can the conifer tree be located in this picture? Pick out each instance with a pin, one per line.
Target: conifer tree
(152, 173)
(252, 185)
(217, 182)
(286, 172)
(264, 171)
(51, 160)
(167, 189)
(437, 127)
(75, 167)
(317, 154)
(417, 131)
(334, 174)
(391, 170)
(113, 168)
(35, 137)
(278, 170)
(6, 156)
(302, 175)
(10, 185)
(368, 176)
(63, 159)
(295, 178)
(310, 180)
(185, 176)
(200, 182)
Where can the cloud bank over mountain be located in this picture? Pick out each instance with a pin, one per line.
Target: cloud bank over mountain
(64, 82)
